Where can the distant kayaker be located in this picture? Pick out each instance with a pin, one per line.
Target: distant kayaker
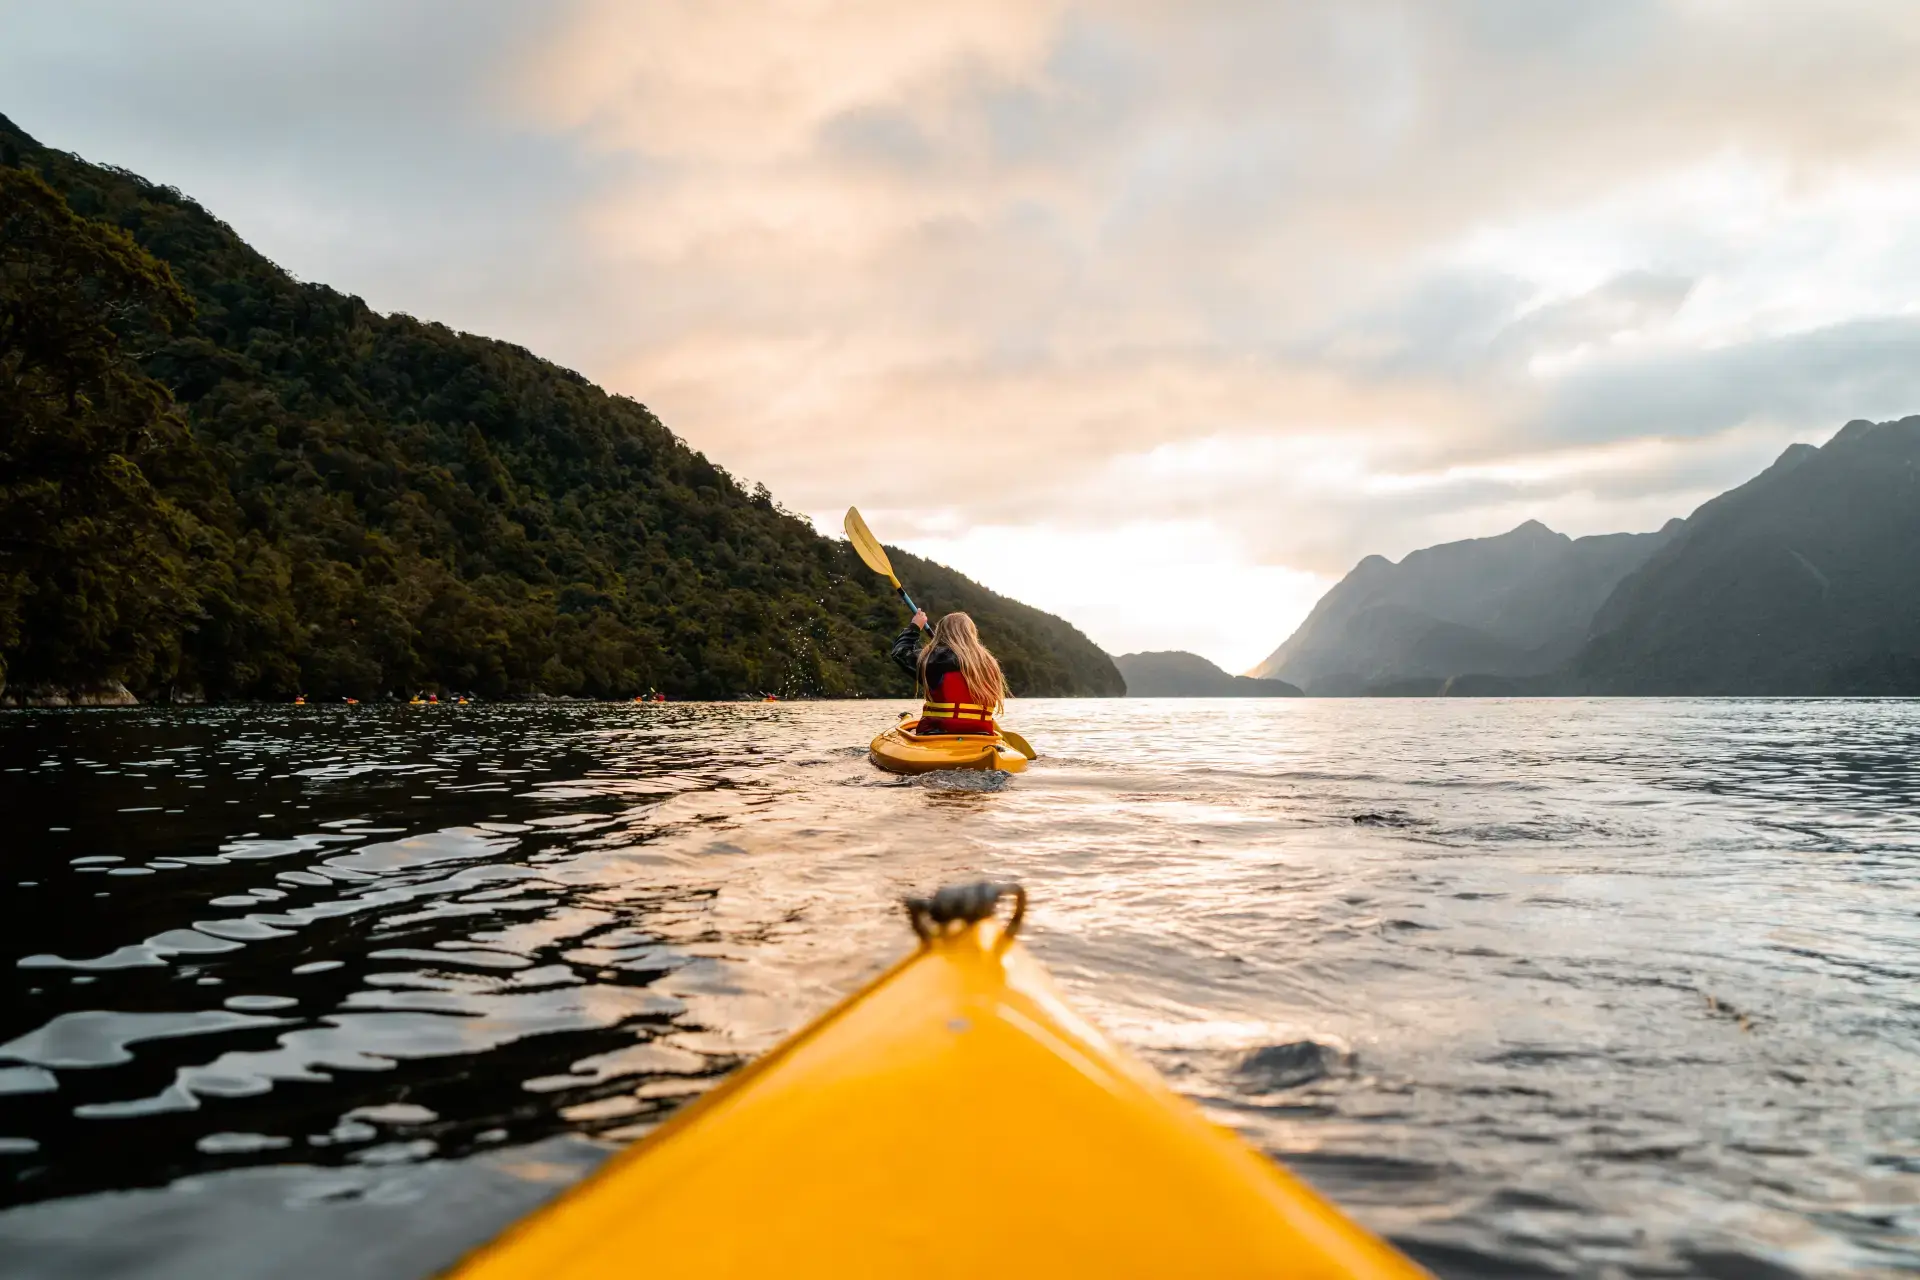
(961, 680)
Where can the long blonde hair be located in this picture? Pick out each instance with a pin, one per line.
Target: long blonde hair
(978, 668)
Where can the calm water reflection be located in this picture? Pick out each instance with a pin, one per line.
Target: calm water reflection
(1583, 987)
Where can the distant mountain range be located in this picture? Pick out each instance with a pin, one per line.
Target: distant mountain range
(1805, 580)
(1514, 605)
(1173, 674)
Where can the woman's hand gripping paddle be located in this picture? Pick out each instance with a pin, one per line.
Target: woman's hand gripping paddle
(868, 548)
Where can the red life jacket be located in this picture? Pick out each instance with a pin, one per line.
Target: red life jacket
(951, 708)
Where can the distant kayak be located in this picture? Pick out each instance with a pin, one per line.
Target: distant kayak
(955, 1117)
(901, 750)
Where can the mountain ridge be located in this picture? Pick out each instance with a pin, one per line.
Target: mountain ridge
(1805, 580)
(1175, 673)
(259, 486)
(1514, 604)
(1802, 581)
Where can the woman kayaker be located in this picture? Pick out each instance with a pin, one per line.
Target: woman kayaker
(961, 680)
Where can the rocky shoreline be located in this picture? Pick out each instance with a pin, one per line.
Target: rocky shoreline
(110, 694)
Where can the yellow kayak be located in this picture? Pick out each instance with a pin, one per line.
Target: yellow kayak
(901, 750)
(953, 1118)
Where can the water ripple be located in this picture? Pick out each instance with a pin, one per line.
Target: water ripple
(1532, 987)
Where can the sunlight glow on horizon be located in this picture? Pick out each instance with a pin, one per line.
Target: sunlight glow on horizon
(1139, 587)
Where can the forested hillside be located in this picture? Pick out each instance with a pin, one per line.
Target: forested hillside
(218, 481)
(1513, 605)
(1804, 580)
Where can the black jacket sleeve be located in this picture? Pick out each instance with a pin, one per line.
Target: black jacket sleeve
(906, 650)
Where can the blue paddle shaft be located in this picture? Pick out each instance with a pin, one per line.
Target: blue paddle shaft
(916, 608)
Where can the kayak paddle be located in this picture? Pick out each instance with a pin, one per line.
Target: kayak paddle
(868, 548)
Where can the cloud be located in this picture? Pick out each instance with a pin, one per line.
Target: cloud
(1273, 286)
(1863, 368)
(357, 143)
(1029, 219)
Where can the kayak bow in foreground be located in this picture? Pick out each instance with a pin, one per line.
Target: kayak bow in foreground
(901, 750)
(954, 1117)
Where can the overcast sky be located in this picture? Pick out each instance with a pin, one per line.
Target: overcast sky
(1158, 315)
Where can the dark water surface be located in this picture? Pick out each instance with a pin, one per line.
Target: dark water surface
(1595, 988)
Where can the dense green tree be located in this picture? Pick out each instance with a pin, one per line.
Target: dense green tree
(370, 505)
(91, 585)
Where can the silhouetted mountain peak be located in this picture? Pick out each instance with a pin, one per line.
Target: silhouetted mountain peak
(1792, 456)
(1852, 431)
(1174, 673)
(1803, 580)
(1893, 434)
(1515, 603)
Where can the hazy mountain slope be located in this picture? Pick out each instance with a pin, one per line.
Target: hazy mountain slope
(1804, 580)
(1516, 604)
(352, 503)
(1174, 674)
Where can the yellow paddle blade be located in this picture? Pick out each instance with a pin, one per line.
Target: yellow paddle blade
(867, 546)
(1019, 744)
